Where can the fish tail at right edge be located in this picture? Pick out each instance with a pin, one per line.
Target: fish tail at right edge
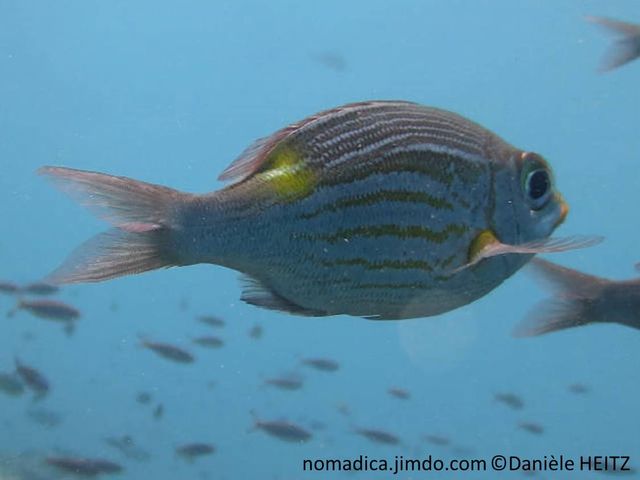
(144, 218)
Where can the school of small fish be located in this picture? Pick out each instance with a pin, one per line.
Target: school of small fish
(386, 210)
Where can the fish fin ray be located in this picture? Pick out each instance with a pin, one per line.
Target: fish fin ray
(548, 245)
(255, 292)
(253, 157)
(625, 49)
(126, 203)
(112, 254)
(570, 282)
(556, 314)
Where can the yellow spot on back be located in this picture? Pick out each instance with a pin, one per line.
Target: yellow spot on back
(287, 174)
(478, 244)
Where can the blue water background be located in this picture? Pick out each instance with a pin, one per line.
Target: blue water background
(171, 92)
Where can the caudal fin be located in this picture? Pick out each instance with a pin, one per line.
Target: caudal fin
(572, 305)
(625, 49)
(142, 215)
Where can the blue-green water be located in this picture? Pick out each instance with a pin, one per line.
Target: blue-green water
(170, 93)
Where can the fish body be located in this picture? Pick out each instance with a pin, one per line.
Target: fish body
(399, 393)
(285, 383)
(510, 399)
(87, 467)
(322, 364)
(531, 427)
(191, 451)
(284, 430)
(580, 299)
(626, 48)
(212, 321)
(381, 209)
(378, 436)
(39, 288)
(168, 351)
(209, 341)
(9, 287)
(50, 310)
(33, 379)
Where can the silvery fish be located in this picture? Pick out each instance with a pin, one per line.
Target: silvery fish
(626, 48)
(580, 300)
(380, 209)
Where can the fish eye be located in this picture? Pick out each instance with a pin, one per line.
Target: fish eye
(538, 188)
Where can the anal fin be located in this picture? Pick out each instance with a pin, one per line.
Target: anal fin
(256, 292)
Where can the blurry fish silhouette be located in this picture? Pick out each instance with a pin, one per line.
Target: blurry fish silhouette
(158, 412)
(9, 287)
(143, 398)
(209, 341)
(212, 321)
(282, 430)
(378, 436)
(626, 48)
(531, 427)
(510, 399)
(168, 351)
(256, 332)
(579, 388)
(380, 209)
(45, 417)
(322, 364)
(437, 440)
(191, 451)
(39, 288)
(50, 310)
(580, 300)
(399, 393)
(88, 467)
(285, 383)
(35, 380)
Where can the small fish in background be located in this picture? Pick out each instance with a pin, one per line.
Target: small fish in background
(209, 341)
(530, 427)
(212, 321)
(625, 49)
(45, 417)
(579, 388)
(438, 440)
(385, 210)
(321, 364)
(399, 393)
(193, 451)
(343, 408)
(53, 310)
(289, 383)
(332, 60)
(378, 436)
(511, 400)
(256, 332)
(82, 466)
(580, 299)
(39, 288)
(33, 379)
(9, 288)
(11, 384)
(144, 398)
(168, 351)
(158, 412)
(128, 448)
(283, 430)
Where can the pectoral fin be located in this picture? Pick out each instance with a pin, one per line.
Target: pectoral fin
(487, 245)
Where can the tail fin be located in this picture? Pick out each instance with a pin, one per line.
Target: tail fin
(142, 214)
(626, 48)
(572, 305)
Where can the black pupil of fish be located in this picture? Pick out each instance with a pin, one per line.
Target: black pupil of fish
(538, 184)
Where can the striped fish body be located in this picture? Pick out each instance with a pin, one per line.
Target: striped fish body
(385, 210)
(364, 210)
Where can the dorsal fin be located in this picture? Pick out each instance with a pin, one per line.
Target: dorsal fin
(255, 155)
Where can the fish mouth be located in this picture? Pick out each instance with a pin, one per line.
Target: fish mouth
(564, 210)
